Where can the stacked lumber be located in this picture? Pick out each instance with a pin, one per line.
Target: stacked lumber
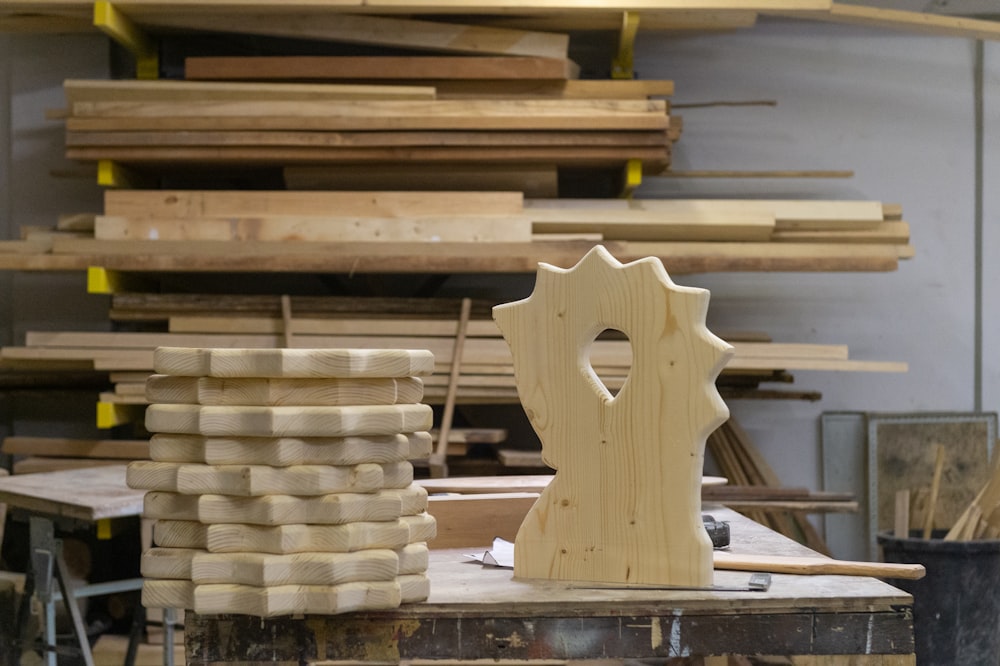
(465, 231)
(347, 124)
(484, 365)
(739, 460)
(981, 518)
(279, 481)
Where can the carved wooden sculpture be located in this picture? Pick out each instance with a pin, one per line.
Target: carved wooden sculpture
(625, 504)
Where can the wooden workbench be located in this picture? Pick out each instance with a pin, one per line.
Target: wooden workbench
(482, 613)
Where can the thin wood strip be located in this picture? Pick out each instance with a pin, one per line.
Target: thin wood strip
(437, 460)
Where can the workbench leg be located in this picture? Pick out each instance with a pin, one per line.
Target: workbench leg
(169, 620)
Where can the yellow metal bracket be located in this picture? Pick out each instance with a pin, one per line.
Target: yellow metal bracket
(623, 65)
(113, 174)
(631, 178)
(111, 414)
(119, 27)
(101, 280)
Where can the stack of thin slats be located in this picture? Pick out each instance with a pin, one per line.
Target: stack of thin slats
(280, 482)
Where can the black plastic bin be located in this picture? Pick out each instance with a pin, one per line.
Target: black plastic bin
(956, 606)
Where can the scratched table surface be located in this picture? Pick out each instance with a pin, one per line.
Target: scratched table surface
(477, 612)
(89, 494)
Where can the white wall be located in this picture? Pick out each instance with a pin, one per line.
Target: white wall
(898, 110)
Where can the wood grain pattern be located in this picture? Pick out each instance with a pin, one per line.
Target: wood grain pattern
(180, 534)
(291, 599)
(298, 392)
(624, 505)
(288, 421)
(333, 509)
(453, 228)
(370, 203)
(264, 570)
(394, 68)
(222, 538)
(286, 451)
(297, 363)
(167, 593)
(259, 480)
(168, 563)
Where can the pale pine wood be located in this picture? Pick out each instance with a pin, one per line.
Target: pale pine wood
(297, 363)
(168, 563)
(381, 31)
(475, 520)
(180, 534)
(167, 593)
(290, 599)
(264, 570)
(815, 565)
(413, 558)
(282, 452)
(332, 509)
(278, 539)
(901, 516)
(95, 90)
(62, 447)
(642, 225)
(421, 526)
(288, 421)
(910, 21)
(255, 480)
(625, 503)
(455, 229)
(298, 392)
(228, 203)
(394, 68)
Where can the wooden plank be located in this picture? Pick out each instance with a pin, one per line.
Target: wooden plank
(168, 563)
(378, 30)
(76, 448)
(167, 593)
(301, 392)
(282, 452)
(291, 599)
(288, 421)
(653, 157)
(85, 494)
(438, 327)
(584, 526)
(282, 539)
(374, 68)
(896, 19)
(475, 520)
(815, 566)
(455, 229)
(232, 203)
(788, 213)
(96, 90)
(332, 509)
(450, 258)
(372, 115)
(370, 140)
(263, 570)
(295, 363)
(640, 225)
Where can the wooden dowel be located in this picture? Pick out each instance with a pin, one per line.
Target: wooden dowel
(438, 464)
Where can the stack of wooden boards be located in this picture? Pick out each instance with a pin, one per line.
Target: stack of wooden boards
(485, 368)
(280, 482)
(457, 231)
(279, 124)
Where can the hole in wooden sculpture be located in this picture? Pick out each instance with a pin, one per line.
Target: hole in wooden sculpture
(614, 361)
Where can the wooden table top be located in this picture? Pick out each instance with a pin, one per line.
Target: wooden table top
(90, 494)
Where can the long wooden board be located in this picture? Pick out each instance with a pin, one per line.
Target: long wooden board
(279, 391)
(283, 452)
(377, 30)
(374, 68)
(456, 229)
(280, 539)
(289, 599)
(199, 204)
(368, 140)
(131, 449)
(96, 90)
(264, 570)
